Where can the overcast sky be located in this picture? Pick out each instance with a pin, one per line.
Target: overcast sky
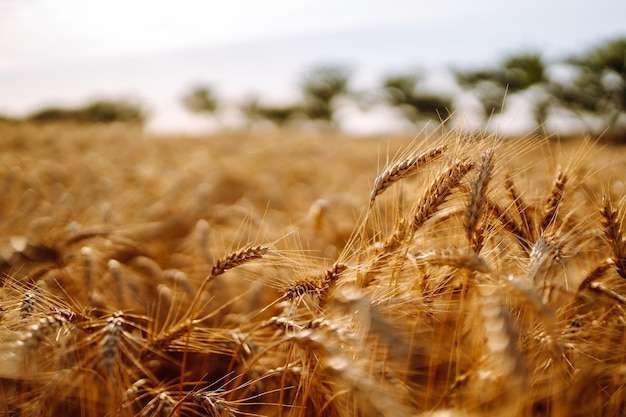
(65, 51)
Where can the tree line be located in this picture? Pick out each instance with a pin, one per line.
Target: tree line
(590, 87)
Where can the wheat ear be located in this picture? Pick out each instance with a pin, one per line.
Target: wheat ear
(319, 286)
(111, 340)
(235, 259)
(429, 202)
(330, 279)
(45, 326)
(521, 207)
(613, 232)
(546, 250)
(162, 404)
(455, 258)
(476, 201)
(438, 192)
(403, 169)
(554, 200)
(509, 224)
(27, 305)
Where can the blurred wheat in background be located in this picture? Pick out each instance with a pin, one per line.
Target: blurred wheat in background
(449, 275)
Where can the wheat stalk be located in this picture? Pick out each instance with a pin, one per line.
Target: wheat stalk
(230, 261)
(411, 342)
(502, 336)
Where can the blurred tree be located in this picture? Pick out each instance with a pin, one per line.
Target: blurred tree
(109, 111)
(52, 114)
(202, 100)
(320, 89)
(98, 111)
(402, 91)
(254, 112)
(250, 110)
(5, 118)
(515, 74)
(599, 86)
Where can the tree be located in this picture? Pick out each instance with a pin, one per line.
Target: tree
(5, 118)
(201, 100)
(254, 111)
(98, 111)
(515, 74)
(402, 91)
(52, 114)
(320, 89)
(599, 86)
(109, 111)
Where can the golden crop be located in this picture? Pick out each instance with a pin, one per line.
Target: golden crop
(295, 274)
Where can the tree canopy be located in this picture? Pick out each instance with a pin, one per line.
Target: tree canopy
(403, 92)
(599, 86)
(514, 74)
(200, 99)
(320, 89)
(98, 111)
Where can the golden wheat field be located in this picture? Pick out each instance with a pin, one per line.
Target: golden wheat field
(298, 274)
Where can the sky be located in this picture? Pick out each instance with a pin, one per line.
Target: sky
(66, 52)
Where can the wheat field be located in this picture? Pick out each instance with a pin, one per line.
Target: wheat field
(298, 274)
